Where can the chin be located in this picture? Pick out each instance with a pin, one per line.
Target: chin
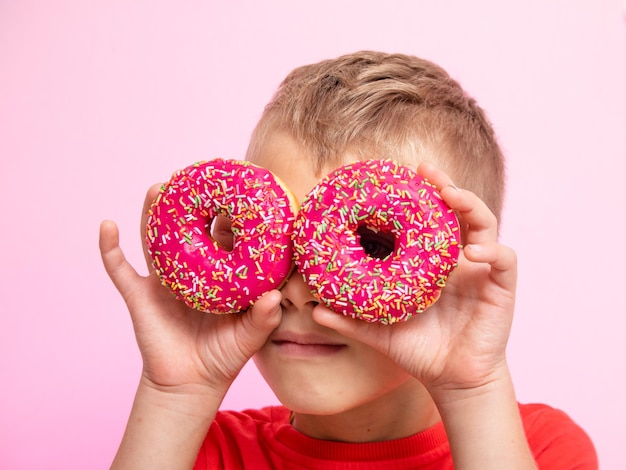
(317, 405)
(319, 398)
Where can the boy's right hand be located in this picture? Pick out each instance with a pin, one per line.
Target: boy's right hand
(184, 349)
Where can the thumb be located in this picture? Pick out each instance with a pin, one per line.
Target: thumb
(117, 267)
(263, 318)
(365, 332)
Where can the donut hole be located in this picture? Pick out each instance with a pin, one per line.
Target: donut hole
(376, 243)
(220, 230)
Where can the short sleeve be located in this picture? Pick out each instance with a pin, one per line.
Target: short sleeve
(556, 441)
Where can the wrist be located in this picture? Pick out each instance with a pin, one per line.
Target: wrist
(497, 382)
(483, 423)
(166, 426)
(188, 400)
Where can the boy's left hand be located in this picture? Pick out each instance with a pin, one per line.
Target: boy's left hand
(459, 342)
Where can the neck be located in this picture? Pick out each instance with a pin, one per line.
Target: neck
(404, 411)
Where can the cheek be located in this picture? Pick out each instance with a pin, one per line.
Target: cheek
(377, 373)
(261, 361)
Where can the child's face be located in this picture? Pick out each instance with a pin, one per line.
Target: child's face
(313, 369)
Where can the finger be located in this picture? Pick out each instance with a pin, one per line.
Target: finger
(481, 225)
(266, 312)
(434, 175)
(117, 267)
(151, 195)
(262, 319)
(502, 259)
(365, 332)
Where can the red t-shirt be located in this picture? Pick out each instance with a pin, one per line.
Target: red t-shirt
(264, 439)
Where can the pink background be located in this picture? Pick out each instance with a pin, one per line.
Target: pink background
(100, 99)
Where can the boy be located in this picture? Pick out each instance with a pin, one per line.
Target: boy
(431, 392)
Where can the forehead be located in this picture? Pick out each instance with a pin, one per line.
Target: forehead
(290, 162)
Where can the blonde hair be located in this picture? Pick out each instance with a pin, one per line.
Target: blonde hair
(377, 105)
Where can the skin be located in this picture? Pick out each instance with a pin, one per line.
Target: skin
(364, 381)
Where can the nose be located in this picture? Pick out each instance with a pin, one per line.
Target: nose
(296, 293)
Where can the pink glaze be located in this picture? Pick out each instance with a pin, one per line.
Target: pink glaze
(386, 197)
(195, 267)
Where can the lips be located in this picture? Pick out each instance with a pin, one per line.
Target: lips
(307, 345)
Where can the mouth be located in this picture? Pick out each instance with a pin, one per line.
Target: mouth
(305, 345)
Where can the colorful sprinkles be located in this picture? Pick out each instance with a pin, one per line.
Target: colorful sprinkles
(388, 197)
(200, 272)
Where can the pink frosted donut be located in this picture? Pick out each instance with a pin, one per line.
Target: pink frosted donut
(351, 209)
(192, 264)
